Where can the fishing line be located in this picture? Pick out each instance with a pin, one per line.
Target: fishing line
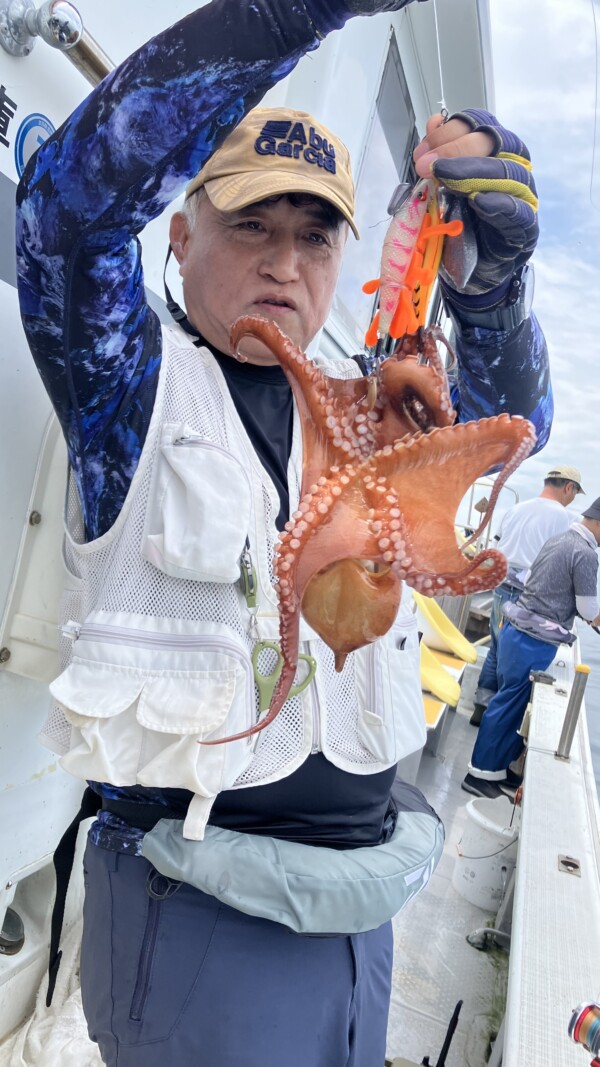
(442, 102)
(595, 137)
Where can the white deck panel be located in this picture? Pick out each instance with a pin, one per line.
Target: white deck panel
(555, 952)
(434, 966)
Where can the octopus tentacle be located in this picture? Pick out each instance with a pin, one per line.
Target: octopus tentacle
(333, 404)
(433, 336)
(378, 500)
(509, 468)
(282, 688)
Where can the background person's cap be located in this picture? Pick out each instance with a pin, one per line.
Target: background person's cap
(593, 512)
(570, 473)
(275, 151)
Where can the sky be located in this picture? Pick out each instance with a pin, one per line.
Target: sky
(545, 80)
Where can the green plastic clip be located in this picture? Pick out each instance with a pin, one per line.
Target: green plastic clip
(248, 578)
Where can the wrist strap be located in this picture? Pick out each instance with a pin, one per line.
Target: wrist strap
(507, 315)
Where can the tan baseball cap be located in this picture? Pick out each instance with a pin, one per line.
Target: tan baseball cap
(274, 151)
(570, 473)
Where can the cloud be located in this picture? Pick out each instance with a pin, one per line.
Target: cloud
(545, 71)
(545, 67)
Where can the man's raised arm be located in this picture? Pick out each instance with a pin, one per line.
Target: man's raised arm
(114, 165)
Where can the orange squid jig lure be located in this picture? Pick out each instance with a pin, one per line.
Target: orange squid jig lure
(410, 259)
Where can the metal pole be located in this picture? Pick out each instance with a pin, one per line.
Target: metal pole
(572, 714)
(504, 916)
(90, 59)
(463, 614)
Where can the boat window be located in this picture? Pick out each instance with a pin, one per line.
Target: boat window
(386, 161)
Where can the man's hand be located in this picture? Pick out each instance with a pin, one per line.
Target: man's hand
(488, 169)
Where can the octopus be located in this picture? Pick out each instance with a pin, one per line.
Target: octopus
(385, 467)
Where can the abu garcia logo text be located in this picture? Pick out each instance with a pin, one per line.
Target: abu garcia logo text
(283, 139)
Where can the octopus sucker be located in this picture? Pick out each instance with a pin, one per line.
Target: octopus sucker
(378, 509)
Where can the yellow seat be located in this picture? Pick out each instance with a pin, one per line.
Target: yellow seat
(452, 663)
(440, 633)
(434, 709)
(436, 679)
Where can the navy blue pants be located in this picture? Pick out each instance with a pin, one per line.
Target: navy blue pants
(488, 678)
(186, 981)
(498, 742)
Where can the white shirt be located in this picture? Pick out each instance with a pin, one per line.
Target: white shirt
(525, 527)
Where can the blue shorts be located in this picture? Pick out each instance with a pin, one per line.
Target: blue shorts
(173, 977)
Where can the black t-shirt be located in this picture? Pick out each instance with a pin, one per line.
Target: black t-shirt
(263, 400)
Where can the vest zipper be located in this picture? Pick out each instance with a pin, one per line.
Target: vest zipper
(375, 695)
(196, 441)
(316, 720)
(314, 705)
(126, 636)
(374, 701)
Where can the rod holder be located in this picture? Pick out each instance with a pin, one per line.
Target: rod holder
(59, 24)
(582, 673)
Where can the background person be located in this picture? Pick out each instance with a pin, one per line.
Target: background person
(523, 530)
(169, 973)
(562, 583)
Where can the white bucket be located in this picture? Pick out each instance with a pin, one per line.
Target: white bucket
(487, 851)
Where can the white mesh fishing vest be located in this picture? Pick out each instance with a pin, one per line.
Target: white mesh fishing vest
(158, 635)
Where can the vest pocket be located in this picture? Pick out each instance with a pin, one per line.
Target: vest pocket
(199, 509)
(391, 721)
(139, 701)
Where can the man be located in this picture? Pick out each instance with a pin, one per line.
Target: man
(182, 459)
(522, 532)
(562, 583)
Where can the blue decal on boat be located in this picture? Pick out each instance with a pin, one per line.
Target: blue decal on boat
(33, 131)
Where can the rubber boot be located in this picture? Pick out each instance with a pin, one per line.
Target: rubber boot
(477, 716)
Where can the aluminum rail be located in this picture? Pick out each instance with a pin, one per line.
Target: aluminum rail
(59, 24)
(555, 944)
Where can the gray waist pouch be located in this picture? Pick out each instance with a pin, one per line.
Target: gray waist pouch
(312, 890)
(529, 622)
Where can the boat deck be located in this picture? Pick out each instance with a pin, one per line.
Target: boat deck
(434, 966)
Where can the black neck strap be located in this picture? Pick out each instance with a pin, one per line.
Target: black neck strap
(176, 312)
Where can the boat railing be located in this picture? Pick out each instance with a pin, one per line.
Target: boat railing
(475, 505)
